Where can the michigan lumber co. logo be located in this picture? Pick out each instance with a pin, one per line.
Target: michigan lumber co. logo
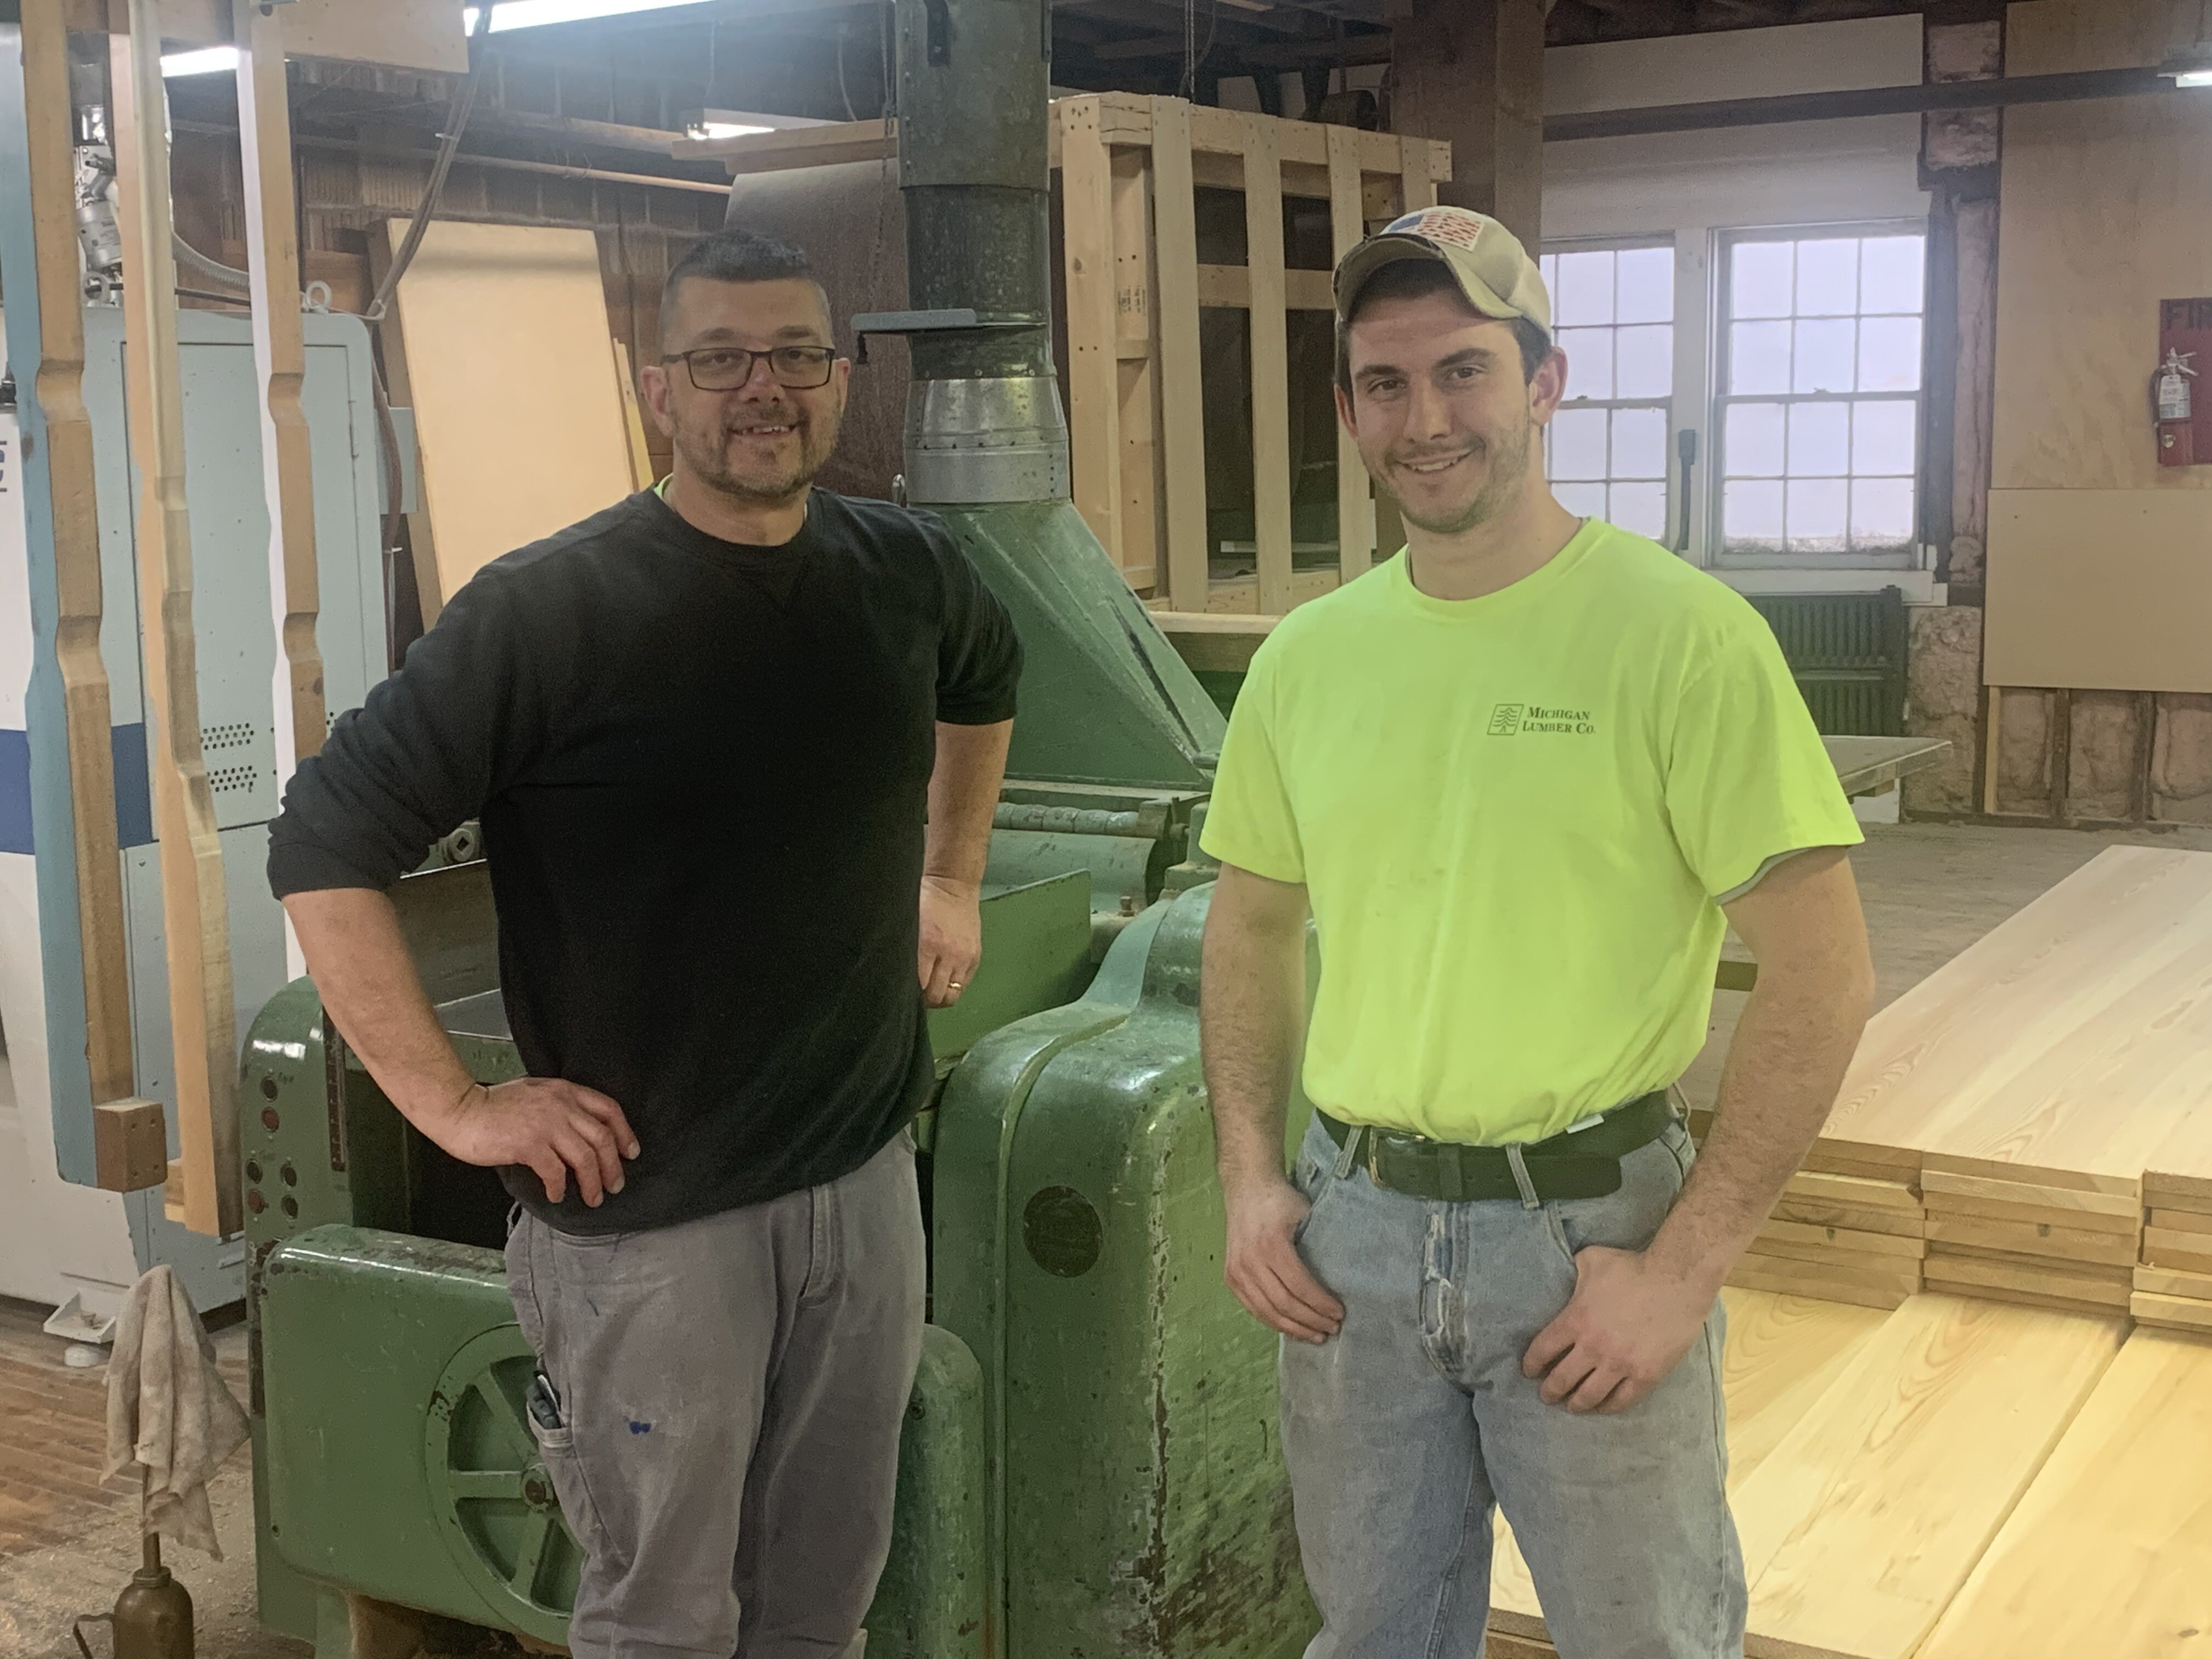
(1518, 719)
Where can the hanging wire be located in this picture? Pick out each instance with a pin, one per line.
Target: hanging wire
(456, 119)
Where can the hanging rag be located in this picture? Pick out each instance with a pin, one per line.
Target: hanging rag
(170, 1415)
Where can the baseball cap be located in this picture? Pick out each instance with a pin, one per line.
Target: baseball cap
(1491, 266)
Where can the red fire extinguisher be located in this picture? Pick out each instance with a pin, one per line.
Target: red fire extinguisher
(2171, 404)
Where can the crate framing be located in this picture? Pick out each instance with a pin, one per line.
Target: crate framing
(1134, 288)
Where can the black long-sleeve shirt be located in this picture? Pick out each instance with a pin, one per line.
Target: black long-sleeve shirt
(703, 772)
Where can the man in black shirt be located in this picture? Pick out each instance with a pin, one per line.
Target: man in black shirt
(736, 745)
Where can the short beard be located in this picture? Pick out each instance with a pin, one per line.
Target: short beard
(707, 454)
(1508, 468)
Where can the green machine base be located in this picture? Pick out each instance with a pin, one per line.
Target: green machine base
(1090, 1464)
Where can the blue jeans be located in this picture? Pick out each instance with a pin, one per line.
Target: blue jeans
(1405, 1428)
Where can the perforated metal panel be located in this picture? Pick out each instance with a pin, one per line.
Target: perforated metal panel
(1847, 653)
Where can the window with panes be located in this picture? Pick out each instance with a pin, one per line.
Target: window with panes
(1819, 410)
(1612, 314)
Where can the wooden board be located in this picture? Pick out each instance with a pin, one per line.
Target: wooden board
(86, 711)
(2065, 1243)
(1804, 1279)
(1983, 1209)
(195, 910)
(2109, 1552)
(409, 35)
(2065, 1046)
(1270, 357)
(2172, 1312)
(640, 455)
(1094, 400)
(1182, 424)
(1871, 1512)
(1355, 505)
(2171, 1281)
(2186, 1221)
(1967, 1275)
(1807, 1213)
(1853, 1190)
(2100, 588)
(519, 308)
(280, 360)
(1782, 1352)
(1842, 1239)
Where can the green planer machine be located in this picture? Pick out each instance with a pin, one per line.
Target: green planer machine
(1091, 1466)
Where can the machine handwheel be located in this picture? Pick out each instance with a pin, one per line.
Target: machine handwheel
(494, 1500)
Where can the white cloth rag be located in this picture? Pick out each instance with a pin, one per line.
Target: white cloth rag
(170, 1415)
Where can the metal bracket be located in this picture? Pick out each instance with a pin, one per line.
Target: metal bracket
(953, 319)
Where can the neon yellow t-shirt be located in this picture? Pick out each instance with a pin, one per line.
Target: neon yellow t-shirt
(1513, 816)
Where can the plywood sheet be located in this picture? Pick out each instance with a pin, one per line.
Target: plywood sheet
(1861, 1524)
(508, 318)
(2100, 216)
(2110, 1551)
(2107, 588)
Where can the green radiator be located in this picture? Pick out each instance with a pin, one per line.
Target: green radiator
(1847, 654)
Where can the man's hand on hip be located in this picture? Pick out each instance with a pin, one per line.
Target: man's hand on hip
(553, 1127)
(951, 939)
(1628, 1324)
(1264, 1267)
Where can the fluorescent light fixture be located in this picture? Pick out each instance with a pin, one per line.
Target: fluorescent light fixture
(2191, 66)
(740, 123)
(529, 14)
(210, 61)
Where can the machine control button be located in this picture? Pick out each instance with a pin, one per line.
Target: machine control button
(269, 1121)
(254, 1168)
(254, 1202)
(291, 1176)
(291, 1207)
(268, 1088)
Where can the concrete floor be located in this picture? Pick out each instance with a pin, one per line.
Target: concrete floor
(1930, 891)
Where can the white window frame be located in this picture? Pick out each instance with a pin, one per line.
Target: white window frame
(1713, 451)
(1671, 505)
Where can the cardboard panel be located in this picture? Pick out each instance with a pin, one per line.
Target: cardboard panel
(2109, 589)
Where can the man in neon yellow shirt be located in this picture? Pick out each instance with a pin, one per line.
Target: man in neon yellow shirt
(1522, 775)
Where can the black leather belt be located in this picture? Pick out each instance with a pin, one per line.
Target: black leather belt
(1582, 1163)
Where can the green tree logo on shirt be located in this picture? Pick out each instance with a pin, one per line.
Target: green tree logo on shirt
(1526, 720)
(1505, 720)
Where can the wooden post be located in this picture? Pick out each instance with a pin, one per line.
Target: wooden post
(1094, 393)
(203, 1023)
(1270, 343)
(1355, 510)
(87, 716)
(1136, 348)
(1182, 410)
(280, 358)
(1472, 71)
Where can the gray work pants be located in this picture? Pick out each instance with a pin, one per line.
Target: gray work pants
(731, 1391)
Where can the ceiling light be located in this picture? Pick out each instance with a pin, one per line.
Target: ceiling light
(2191, 66)
(529, 14)
(740, 122)
(209, 61)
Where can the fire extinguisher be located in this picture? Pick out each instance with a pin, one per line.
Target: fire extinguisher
(2171, 408)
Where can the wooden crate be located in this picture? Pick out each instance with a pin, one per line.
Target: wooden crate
(1134, 289)
(1128, 166)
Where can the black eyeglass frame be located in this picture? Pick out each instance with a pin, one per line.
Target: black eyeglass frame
(827, 361)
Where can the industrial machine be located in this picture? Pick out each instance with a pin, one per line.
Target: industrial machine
(1091, 1462)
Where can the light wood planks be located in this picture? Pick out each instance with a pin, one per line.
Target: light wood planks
(2110, 1551)
(640, 455)
(1136, 365)
(87, 713)
(1094, 398)
(520, 309)
(1270, 355)
(1347, 227)
(280, 358)
(1182, 407)
(1862, 1524)
(195, 916)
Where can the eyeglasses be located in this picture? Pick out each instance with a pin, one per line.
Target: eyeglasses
(724, 368)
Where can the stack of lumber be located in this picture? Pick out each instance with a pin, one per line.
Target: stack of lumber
(1870, 1469)
(1846, 1237)
(2037, 1075)
(2173, 1285)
